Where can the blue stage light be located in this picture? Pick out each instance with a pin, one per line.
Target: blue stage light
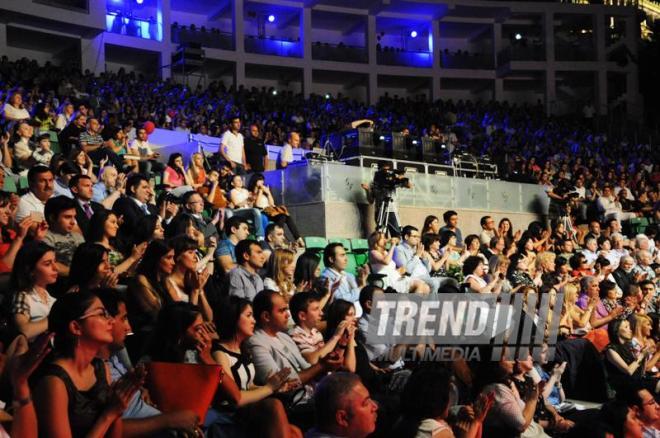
(413, 34)
(271, 18)
(139, 2)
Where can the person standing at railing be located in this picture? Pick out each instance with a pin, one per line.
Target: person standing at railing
(232, 148)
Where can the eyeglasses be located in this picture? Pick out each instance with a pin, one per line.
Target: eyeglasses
(98, 312)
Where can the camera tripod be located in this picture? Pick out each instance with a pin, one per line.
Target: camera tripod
(382, 215)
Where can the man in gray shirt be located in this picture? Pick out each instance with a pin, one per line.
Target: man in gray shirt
(244, 280)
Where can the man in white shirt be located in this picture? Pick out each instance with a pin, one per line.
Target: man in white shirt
(141, 147)
(487, 230)
(610, 207)
(286, 154)
(232, 148)
(41, 183)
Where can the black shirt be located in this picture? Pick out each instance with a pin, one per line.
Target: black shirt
(255, 151)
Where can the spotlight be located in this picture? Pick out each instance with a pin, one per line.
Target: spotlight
(139, 2)
(274, 92)
(271, 18)
(413, 34)
(518, 37)
(327, 96)
(381, 138)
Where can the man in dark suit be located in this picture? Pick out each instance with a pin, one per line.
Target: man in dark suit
(82, 189)
(193, 206)
(135, 204)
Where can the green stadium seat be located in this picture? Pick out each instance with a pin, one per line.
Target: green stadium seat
(54, 142)
(22, 182)
(352, 265)
(345, 242)
(315, 243)
(10, 185)
(360, 248)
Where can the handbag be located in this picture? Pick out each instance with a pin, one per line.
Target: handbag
(276, 210)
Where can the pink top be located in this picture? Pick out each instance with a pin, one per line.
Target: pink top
(174, 179)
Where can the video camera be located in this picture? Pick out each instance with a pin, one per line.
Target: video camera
(389, 179)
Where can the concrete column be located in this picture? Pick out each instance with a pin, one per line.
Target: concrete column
(238, 27)
(599, 36)
(498, 90)
(306, 32)
(164, 18)
(550, 91)
(633, 98)
(372, 90)
(601, 92)
(3, 38)
(497, 41)
(435, 53)
(307, 81)
(549, 36)
(239, 73)
(92, 54)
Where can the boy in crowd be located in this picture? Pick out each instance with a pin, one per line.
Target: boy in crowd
(60, 213)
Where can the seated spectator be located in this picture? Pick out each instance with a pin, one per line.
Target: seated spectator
(236, 324)
(186, 283)
(62, 235)
(431, 225)
(14, 109)
(425, 404)
(73, 396)
(242, 204)
(591, 249)
(236, 230)
(175, 176)
(22, 145)
(134, 205)
(496, 246)
(196, 173)
(642, 327)
(510, 415)
(69, 137)
(110, 188)
(621, 364)
(34, 271)
(11, 239)
(307, 313)
(82, 191)
(436, 257)
(574, 318)
(275, 239)
(244, 280)
(551, 374)
(193, 206)
(64, 173)
(42, 153)
(608, 307)
(148, 158)
(280, 278)
(644, 407)
(451, 224)
(263, 200)
(103, 230)
(335, 261)
(408, 254)
(343, 408)
(148, 292)
(273, 350)
(643, 267)
(83, 163)
(381, 262)
(487, 229)
(473, 269)
(91, 142)
(138, 417)
(213, 191)
(609, 207)
(473, 248)
(40, 183)
(90, 268)
(519, 272)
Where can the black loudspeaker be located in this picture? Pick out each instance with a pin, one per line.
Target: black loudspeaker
(190, 56)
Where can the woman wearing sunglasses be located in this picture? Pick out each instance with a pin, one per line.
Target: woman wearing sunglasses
(73, 396)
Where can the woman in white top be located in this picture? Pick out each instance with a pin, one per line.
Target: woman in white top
(263, 200)
(280, 279)
(65, 115)
(473, 269)
(241, 201)
(14, 108)
(381, 262)
(185, 283)
(34, 269)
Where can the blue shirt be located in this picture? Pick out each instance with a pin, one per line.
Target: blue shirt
(99, 192)
(348, 288)
(136, 408)
(226, 248)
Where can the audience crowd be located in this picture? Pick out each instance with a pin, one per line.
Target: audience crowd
(105, 274)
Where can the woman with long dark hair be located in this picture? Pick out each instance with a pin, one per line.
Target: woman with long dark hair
(33, 272)
(73, 396)
(90, 268)
(262, 199)
(103, 228)
(175, 175)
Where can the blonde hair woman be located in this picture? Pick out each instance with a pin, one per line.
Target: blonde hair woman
(572, 316)
(280, 279)
(196, 170)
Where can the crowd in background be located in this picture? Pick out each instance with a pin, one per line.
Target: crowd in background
(105, 273)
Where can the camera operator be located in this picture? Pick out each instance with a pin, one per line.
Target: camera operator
(382, 192)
